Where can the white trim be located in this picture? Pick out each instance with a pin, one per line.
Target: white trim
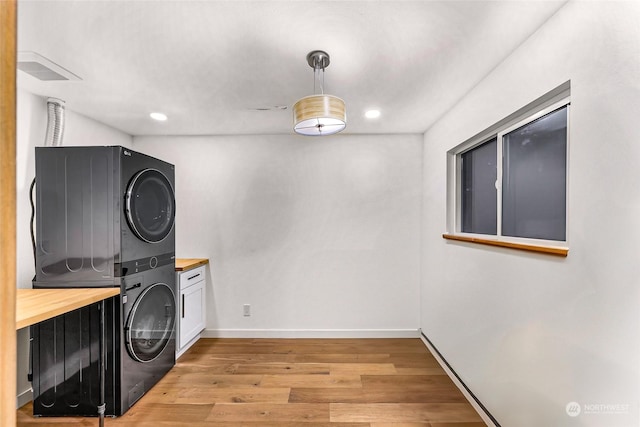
(485, 417)
(552, 97)
(186, 347)
(552, 101)
(310, 333)
(24, 398)
(498, 184)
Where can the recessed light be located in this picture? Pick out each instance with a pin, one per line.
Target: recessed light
(158, 116)
(372, 114)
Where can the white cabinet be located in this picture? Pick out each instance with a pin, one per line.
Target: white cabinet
(192, 306)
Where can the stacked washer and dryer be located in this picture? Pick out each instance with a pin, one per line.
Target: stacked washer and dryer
(104, 218)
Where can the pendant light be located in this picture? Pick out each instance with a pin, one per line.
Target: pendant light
(319, 114)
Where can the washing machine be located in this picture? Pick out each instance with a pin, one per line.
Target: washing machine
(101, 213)
(140, 348)
(148, 344)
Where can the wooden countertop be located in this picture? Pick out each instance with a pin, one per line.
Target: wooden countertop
(184, 264)
(36, 305)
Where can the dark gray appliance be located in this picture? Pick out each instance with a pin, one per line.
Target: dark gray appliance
(140, 343)
(149, 339)
(104, 217)
(101, 213)
(65, 362)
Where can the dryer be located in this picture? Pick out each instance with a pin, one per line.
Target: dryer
(102, 213)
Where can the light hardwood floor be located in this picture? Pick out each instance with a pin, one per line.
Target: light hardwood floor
(296, 382)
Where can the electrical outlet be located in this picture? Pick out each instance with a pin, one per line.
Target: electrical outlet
(246, 310)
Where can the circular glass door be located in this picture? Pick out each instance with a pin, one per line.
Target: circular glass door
(150, 323)
(150, 205)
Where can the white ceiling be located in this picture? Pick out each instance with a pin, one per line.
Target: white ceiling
(209, 64)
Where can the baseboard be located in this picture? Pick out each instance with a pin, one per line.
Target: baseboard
(310, 333)
(473, 400)
(24, 398)
(187, 346)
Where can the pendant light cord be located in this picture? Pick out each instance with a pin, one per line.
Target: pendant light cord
(317, 78)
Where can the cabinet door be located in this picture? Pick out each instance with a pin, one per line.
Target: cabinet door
(192, 301)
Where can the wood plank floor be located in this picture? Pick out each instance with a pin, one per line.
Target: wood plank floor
(296, 382)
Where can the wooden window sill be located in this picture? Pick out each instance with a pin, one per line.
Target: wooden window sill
(550, 250)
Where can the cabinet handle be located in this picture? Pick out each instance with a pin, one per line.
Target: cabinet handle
(183, 306)
(193, 277)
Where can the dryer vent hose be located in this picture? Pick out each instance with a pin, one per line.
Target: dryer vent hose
(55, 124)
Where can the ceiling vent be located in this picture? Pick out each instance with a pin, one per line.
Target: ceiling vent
(43, 69)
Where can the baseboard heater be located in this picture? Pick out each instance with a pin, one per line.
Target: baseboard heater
(473, 396)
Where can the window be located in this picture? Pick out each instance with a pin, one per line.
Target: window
(534, 178)
(509, 183)
(478, 194)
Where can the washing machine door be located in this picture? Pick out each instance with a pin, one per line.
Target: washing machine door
(151, 322)
(150, 205)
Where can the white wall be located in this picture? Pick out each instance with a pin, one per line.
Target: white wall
(530, 333)
(320, 235)
(31, 130)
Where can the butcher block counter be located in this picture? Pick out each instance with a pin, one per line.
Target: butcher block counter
(36, 305)
(184, 264)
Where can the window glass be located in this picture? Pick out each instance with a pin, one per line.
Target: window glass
(478, 191)
(534, 179)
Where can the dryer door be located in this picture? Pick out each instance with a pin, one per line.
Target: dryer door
(150, 205)
(151, 322)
